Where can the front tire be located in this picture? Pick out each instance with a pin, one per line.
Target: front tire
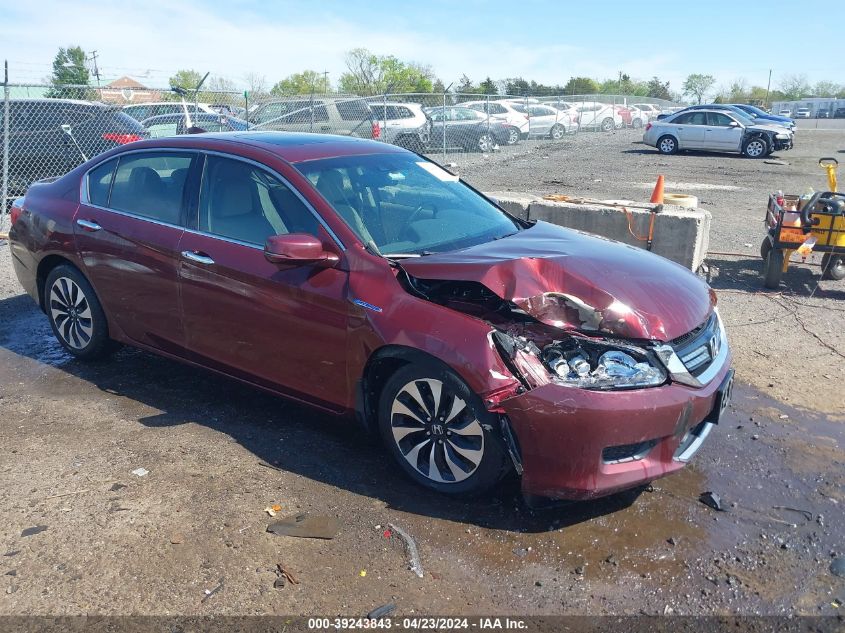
(76, 316)
(833, 267)
(557, 132)
(667, 145)
(773, 269)
(485, 143)
(755, 147)
(513, 136)
(607, 125)
(439, 432)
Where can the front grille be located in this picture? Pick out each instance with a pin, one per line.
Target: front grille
(627, 452)
(697, 349)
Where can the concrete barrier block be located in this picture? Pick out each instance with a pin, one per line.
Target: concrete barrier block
(680, 234)
(514, 203)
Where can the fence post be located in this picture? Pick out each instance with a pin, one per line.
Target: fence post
(487, 110)
(443, 120)
(384, 118)
(4, 193)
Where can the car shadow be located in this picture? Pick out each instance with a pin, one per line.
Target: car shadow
(280, 433)
(746, 274)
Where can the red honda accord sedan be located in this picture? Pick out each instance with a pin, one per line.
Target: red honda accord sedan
(366, 280)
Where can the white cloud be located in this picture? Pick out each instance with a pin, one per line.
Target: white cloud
(162, 37)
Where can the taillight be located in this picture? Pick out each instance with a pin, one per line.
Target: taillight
(376, 130)
(647, 127)
(17, 210)
(121, 139)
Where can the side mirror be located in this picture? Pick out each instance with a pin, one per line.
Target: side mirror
(733, 124)
(298, 249)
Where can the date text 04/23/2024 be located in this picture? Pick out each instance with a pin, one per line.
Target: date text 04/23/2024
(420, 623)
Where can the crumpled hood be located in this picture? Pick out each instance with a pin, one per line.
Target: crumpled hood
(576, 281)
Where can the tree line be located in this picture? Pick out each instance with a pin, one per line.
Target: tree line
(368, 74)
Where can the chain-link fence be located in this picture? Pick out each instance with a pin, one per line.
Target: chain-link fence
(48, 130)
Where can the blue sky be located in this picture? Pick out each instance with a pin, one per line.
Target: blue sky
(548, 41)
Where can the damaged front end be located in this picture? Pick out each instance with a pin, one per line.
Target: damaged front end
(594, 412)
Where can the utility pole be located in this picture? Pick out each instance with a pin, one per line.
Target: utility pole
(326, 80)
(768, 87)
(93, 58)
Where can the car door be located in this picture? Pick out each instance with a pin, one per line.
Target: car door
(542, 119)
(127, 231)
(690, 128)
(720, 134)
(282, 327)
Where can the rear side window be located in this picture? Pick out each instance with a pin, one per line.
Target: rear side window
(151, 184)
(356, 110)
(99, 183)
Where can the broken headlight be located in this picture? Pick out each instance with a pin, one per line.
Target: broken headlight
(596, 366)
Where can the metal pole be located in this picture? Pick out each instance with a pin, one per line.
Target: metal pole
(384, 119)
(768, 86)
(5, 190)
(443, 123)
(487, 109)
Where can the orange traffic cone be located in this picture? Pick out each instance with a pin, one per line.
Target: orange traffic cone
(657, 194)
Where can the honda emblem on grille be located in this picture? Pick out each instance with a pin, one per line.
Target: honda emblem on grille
(715, 345)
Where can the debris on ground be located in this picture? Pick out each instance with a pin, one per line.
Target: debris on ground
(414, 562)
(284, 576)
(177, 538)
(775, 161)
(273, 509)
(382, 611)
(211, 592)
(36, 529)
(521, 551)
(783, 416)
(116, 487)
(362, 573)
(306, 526)
(711, 500)
(837, 566)
(806, 513)
(11, 553)
(141, 472)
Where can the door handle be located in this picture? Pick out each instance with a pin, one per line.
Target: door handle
(88, 225)
(325, 127)
(199, 258)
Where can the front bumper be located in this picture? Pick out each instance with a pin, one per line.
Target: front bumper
(580, 444)
(783, 144)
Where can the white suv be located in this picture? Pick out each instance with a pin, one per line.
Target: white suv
(403, 124)
(593, 115)
(505, 113)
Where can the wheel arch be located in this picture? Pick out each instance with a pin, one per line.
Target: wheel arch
(45, 267)
(381, 364)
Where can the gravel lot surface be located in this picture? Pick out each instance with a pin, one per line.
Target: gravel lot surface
(217, 453)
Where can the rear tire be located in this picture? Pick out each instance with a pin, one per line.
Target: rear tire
(667, 145)
(833, 267)
(76, 316)
(484, 143)
(439, 432)
(637, 123)
(557, 132)
(607, 125)
(773, 269)
(513, 136)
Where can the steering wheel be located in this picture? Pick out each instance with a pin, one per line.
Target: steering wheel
(426, 206)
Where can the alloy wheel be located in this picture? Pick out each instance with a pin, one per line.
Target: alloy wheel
(71, 313)
(667, 145)
(513, 136)
(436, 431)
(484, 143)
(755, 148)
(558, 132)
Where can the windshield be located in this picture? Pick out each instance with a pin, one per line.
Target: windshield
(404, 205)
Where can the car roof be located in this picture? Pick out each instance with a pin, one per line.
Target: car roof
(293, 147)
(158, 103)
